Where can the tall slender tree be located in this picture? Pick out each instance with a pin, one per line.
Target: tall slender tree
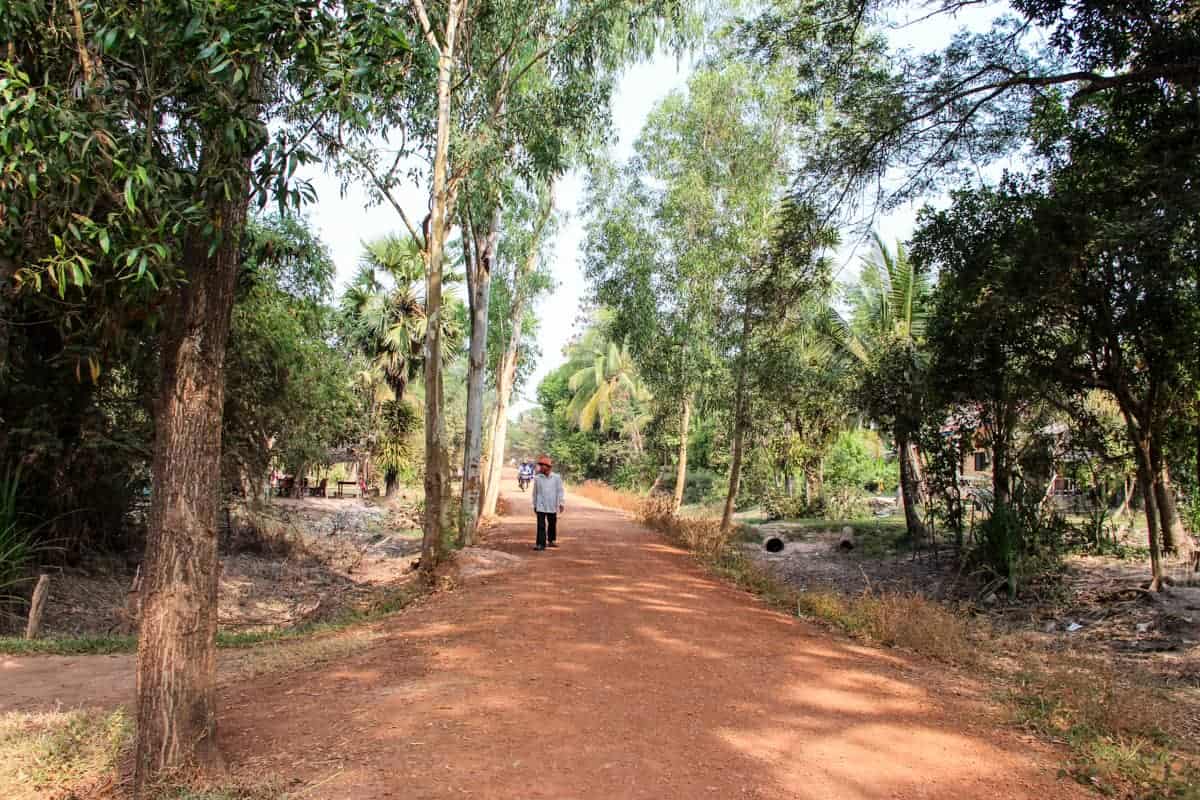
(523, 243)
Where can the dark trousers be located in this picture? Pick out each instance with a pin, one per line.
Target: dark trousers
(547, 523)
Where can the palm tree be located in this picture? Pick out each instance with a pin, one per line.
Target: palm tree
(605, 373)
(384, 313)
(387, 322)
(885, 337)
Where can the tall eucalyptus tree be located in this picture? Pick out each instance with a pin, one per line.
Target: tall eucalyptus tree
(679, 240)
(135, 136)
(514, 82)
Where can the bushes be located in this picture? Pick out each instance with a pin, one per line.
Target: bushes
(14, 540)
(701, 486)
(1019, 541)
(779, 505)
(635, 473)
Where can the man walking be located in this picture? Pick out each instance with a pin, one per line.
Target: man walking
(548, 499)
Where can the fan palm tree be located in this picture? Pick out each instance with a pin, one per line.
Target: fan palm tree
(387, 322)
(384, 313)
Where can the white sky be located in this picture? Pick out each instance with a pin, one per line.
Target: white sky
(344, 223)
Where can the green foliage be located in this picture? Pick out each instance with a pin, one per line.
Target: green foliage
(289, 393)
(397, 452)
(383, 311)
(856, 461)
(1191, 514)
(604, 376)
(17, 544)
(132, 137)
(701, 487)
(1019, 541)
(576, 453)
(780, 505)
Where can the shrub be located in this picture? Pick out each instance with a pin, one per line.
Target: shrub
(851, 464)
(1191, 513)
(778, 505)
(701, 486)
(1018, 541)
(17, 545)
(635, 473)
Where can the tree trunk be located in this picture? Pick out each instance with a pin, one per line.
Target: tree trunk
(735, 472)
(479, 289)
(1145, 474)
(1174, 537)
(1001, 477)
(739, 427)
(499, 431)
(681, 470)
(442, 202)
(507, 373)
(910, 494)
(391, 482)
(176, 657)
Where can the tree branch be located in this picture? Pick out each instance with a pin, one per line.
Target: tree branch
(426, 28)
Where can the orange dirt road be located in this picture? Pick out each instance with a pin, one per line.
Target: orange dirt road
(614, 667)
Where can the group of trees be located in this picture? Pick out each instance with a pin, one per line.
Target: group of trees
(1047, 313)
(156, 330)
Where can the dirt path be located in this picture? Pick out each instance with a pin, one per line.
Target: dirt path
(613, 667)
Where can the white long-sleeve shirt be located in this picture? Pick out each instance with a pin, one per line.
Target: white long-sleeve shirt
(548, 493)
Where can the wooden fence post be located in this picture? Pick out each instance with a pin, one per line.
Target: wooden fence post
(37, 605)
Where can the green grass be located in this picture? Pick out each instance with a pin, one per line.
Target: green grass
(101, 645)
(67, 646)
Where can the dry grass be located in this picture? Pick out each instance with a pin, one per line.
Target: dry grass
(700, 535)
(258, 533)
(915, 623)
(60, 753)
(606, 495)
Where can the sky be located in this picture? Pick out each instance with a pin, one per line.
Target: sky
(344, 220)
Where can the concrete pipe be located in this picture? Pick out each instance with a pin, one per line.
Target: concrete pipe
(773, 544)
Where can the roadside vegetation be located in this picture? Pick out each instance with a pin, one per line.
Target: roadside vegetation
(1126, 731)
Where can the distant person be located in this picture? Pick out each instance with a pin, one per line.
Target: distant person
(548, 503)
(525, 474)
